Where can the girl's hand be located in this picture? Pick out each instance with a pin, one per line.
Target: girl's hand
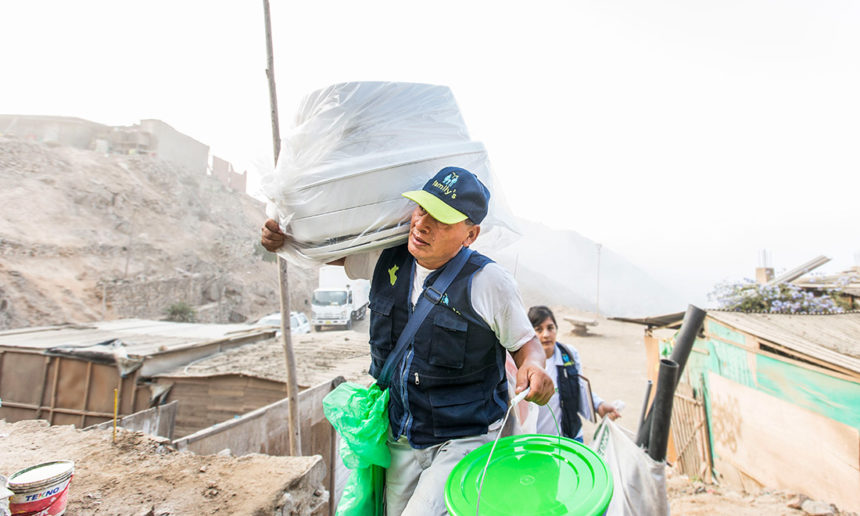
(607, 410)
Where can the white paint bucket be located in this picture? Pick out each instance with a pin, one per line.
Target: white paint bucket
(42, 489)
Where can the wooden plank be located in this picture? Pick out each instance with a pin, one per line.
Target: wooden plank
(54, 391)
(260, 431)
(688, 423)
(782, 445)
(827, 366)
(86, 392)
(157, 421)
(44, 386)
(812, 365)
(818, 391)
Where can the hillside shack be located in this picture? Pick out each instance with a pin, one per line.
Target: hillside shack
(67, 374)
(768, 400)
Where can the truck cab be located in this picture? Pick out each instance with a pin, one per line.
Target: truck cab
(339, 301)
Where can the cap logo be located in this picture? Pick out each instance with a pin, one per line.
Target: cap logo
(446, 186)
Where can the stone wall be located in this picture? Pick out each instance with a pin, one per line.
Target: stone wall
(214, 299)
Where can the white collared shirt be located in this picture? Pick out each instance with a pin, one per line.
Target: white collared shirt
(545, 423)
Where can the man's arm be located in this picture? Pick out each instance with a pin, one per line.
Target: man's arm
(531, 361)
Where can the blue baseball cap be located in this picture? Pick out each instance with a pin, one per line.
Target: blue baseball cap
(453, 195)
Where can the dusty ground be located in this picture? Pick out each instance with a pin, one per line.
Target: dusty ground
(696, 499)
(139, 476)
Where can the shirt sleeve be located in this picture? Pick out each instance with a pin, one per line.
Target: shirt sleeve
(496, 298)
(361, 265)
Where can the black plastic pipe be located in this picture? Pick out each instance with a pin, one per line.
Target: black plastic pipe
(644, 406)
(693, 320)
(690, 327)
(658, 438)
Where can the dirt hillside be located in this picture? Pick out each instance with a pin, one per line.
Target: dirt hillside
(79, 225)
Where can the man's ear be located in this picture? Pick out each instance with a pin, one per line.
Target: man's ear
(472, 235)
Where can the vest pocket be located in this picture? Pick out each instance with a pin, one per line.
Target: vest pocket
(448, 343)
(459, 411)
(381, 342)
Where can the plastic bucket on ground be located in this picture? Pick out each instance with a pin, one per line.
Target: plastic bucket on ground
(42, 489)
(530, 474)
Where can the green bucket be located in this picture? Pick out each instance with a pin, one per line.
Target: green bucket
(530, 474)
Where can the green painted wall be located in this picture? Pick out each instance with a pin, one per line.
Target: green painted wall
(725, 333)
(835, 398)
(819, 392)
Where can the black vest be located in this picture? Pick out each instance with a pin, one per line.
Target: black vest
(568, 393)
(451, 382)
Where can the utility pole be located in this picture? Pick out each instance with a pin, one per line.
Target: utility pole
(286, 339)
(597, 301)
(128, 247)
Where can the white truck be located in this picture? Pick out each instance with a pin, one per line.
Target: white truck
(339, 300)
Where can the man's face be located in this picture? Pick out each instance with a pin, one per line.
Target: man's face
(433, 243)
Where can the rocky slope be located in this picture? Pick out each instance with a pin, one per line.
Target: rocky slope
(85, 236)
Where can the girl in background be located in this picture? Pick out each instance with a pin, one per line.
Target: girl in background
(563, 366)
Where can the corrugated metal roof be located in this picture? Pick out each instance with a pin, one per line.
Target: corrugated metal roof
(140, 338)
(833, 338)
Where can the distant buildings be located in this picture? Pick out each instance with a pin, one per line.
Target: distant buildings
(150, 137)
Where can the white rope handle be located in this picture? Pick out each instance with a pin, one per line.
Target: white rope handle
(516, 399)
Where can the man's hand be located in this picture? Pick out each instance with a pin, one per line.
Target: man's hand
(534, 376)
(273, 238)
(531, 360)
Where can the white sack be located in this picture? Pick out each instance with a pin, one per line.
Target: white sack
(640, 482)
(353, 148)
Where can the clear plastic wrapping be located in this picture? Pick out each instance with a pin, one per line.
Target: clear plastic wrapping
(351, 152)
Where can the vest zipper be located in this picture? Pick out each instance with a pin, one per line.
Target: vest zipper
(417, 380)
(406, 422)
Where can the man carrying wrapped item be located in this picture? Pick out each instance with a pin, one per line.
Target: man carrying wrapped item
(448, 393)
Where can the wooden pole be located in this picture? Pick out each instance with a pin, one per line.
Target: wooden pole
(292, 382)
(597, 297)
(115, 403)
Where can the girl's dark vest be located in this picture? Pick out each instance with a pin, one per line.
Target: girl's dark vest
(451, 381)
(568, 393)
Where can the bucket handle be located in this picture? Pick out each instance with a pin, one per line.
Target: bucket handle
(518, 398)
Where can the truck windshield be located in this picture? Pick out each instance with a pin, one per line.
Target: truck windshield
(329, 298)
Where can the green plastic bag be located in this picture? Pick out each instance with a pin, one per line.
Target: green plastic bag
(360, 416)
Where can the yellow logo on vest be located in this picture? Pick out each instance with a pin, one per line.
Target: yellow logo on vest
(392, 274)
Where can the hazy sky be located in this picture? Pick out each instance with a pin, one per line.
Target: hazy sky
(685, 135)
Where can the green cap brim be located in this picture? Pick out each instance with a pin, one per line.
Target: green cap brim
(435, 207)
